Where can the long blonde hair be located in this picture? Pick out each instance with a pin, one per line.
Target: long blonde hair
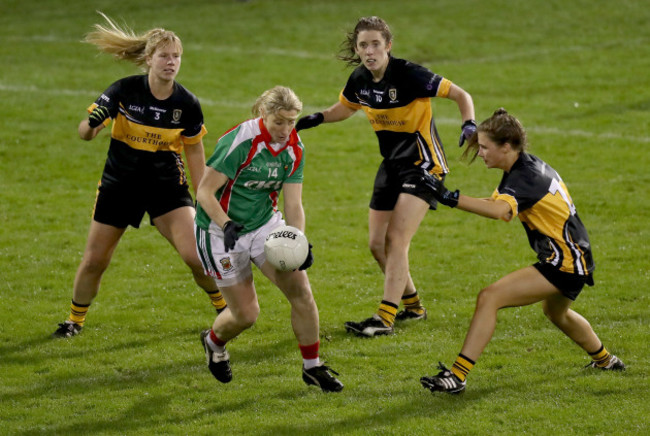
(276, 99)
(124, 44)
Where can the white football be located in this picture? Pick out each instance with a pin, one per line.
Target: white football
(286, 248)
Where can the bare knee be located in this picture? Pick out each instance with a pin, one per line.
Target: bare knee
(377, 247)
(557, 317)
(396, 242)
(191, 259)
(487, 298)
(197, 271)
(246, 317)
(302, 300)
(94, 266)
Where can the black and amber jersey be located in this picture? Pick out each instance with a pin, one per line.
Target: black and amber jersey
(399, 110)
(148, 134)
(538, 195)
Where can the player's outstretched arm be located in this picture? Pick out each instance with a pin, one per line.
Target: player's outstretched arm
(487, 207)
(337, 112)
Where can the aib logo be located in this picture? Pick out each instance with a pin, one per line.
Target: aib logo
(274, 185)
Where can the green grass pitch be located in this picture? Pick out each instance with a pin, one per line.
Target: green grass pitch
(575, 73)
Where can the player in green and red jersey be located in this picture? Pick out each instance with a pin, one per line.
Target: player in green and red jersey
(535, 192)
(237, 209)
(155, 119)
(395, 95)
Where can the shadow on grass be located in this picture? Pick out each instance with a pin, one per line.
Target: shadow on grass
(100, 364)
(395, 415)
(143, 416)
(17, 352)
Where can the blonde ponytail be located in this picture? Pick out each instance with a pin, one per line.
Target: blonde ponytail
(124, 44)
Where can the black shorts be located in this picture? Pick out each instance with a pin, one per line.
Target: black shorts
(569, 284)
(121, 206)
(393, 178)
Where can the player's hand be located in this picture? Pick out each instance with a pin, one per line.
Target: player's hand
(309, 121)
(440, 192)
(449, 198)
(97, 116)
(309, 261)
(231, 233)
(468, 129)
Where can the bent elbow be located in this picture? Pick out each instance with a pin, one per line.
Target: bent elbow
(201, 196)
(507, 217)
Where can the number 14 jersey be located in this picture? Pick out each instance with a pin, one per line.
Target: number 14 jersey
(256, 171)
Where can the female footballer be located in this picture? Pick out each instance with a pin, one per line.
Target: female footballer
(237, 208)
(533, 191)
(155, 119)
(395, 96)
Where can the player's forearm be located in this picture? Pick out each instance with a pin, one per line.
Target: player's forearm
(211, 181)
(295, 216)
(464, 101)
(212, 207)
(86, 132)
(337, 112)
(486, 207)
(195, 157)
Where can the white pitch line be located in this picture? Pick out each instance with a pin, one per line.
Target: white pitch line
(509, 56)
(513, 56)
(198, 48)
(201, 48)
(243, 105)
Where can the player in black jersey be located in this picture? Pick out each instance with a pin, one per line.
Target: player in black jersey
(395, 96)
(533, 191)
(155, 119)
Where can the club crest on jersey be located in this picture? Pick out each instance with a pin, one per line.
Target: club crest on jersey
(225, 263)
(392, 94)
(176, 115)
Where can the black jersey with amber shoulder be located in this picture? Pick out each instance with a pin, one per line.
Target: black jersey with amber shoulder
(148, 134)
(399, 110)
(538, 195)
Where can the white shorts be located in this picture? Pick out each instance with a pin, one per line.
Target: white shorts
(234, 267)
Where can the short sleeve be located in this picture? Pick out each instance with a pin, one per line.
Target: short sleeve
(427, 83)
(194, 130)
(349, 95)
(227, 157)
(345, 101)
(510, 199)
(110, 99)
(195, 139)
